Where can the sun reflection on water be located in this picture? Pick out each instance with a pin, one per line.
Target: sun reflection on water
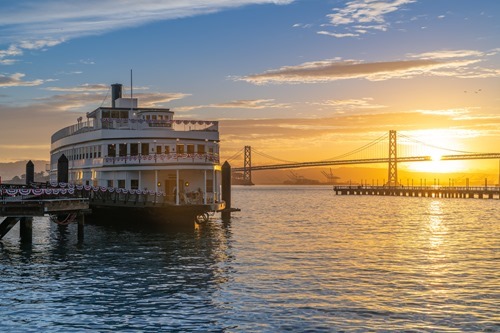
(437, 228)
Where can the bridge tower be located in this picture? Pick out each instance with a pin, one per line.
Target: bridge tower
(392, 179)
(247, 166)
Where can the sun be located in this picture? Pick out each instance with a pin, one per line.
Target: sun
(436, 156)
(434, 144)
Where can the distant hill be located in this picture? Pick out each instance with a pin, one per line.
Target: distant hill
(16, 169)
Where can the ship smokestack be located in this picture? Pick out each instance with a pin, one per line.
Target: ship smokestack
(116, 92)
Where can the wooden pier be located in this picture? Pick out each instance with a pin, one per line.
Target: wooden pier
(23, 208)
(466, 192)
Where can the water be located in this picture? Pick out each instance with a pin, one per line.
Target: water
(295, 259)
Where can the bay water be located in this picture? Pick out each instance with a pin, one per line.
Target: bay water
(295, 259)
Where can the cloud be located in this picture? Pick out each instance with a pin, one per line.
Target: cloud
(365, 11)
(85, 97)
(448, 54)
(460, 63)
(29, 25)
(158, 99)
(239, 104)
(351, 104)
(363, 15)
(337, 35)
(16, 80)
(11, 51)
(82, 88)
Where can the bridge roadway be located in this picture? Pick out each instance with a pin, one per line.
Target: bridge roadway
(369, 161)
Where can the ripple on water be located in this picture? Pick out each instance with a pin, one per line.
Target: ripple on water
(295, 259)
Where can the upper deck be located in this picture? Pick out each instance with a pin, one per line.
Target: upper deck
(134, 124)
(125, 114)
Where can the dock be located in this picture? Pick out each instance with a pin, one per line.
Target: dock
(466, 192)
(21, 203)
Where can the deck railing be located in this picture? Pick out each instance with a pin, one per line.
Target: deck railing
(135, 124)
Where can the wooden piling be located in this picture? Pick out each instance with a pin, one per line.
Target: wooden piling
(81, 224)
(226, 190)
(30, 172)
(62, 169)
(26, 230)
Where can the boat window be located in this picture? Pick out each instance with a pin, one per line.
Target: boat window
(115, 114)
(167, 150)
(145, 148)
(158, 149)
(134, 184)
(124, 114)
(122, 149)
(147, 117)
(210, 185)
(105, 114)
(190, 149)
(110, 182)
(111, 150)
(134, 149)
(180, 149)
(211, 150)
(153, 117)
(121, 183)
(201, 149)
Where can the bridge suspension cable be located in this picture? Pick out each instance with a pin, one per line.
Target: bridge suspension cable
(357, 150)
(412, 139)
(271, 157)
(238, 153)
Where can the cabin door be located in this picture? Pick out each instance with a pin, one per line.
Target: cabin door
(170, 189)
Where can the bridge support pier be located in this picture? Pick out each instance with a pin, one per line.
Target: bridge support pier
(26, 230)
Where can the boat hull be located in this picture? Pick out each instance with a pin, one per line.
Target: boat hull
(140, 214)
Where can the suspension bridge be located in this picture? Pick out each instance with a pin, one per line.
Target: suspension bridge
(391, 148)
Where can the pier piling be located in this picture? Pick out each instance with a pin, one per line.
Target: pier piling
(81, 225)
(30, 172)
(226, 190)
(26, 230)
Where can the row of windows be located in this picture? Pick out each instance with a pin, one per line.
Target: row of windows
(121, 114)
(133, 149)
(82, 153)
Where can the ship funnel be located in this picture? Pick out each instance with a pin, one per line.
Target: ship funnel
(116, 92)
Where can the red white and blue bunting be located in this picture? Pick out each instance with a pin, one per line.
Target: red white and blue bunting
(65, 189)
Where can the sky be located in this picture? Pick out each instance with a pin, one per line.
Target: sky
(300, 80)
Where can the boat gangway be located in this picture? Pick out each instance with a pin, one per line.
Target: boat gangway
(467, 192)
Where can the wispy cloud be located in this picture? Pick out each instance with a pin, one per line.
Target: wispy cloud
(337, 35)
(16, 80)
(362, 16)
(38, 25)
(461, 64)
(351, 104)
(255, 104)
(81, 88)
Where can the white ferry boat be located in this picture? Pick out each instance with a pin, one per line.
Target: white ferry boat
(140, 163)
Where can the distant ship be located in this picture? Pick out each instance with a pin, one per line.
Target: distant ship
(141, 163)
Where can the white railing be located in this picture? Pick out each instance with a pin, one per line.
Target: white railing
(135, 124)
(163, 158)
